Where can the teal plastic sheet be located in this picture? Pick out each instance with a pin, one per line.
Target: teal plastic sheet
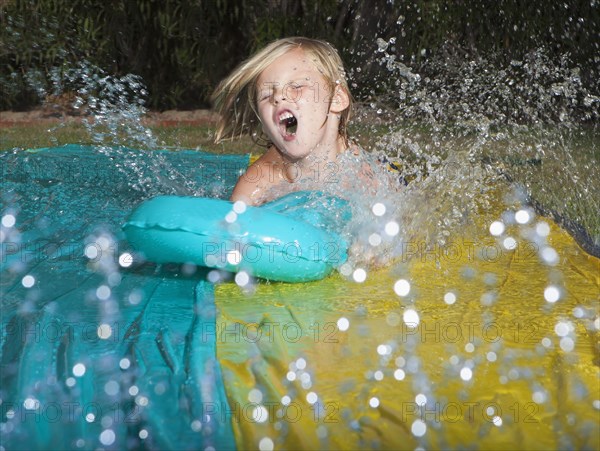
(97, 352)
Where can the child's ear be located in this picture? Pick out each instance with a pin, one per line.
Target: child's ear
(340, 100)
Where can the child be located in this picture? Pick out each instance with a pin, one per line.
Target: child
(293, 95)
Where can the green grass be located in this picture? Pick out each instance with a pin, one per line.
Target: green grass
(40, 135)
(181, 136)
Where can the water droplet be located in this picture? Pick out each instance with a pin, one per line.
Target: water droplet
(381, 45)
(346, 269)
(539, 397)
(375, 239)
(466, 374)
(399, 374)
(311, 397)
(449, 298)
(104, 331)
(239, 207)
(255, 396)
(111, 388)
(125, 260)
(497, 228)
(567, 344)
(31, 404)
(402, 287)
(384, 349)
(103, 292)
(411, 318)
(28, 281)
(549, 255)
(78, 369)
(135, 297)
(9, 221)
(266, 444)
(562, 328)
(231, 217)
(91, 251)
(379, 209)
(213, 276)
(392, 228)
(242, 278)
(343, 324)
(509, 243)
(234, 257)
(552, 294)
(418, 428)
(359, 275)
(522, 216)
(107, 437)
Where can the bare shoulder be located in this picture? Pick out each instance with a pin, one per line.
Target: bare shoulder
(258, 179)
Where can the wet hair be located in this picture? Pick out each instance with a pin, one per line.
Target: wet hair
(235, 97)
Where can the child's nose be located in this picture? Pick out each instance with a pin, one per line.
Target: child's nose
(278, 96)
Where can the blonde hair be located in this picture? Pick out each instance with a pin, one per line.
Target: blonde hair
(235, 97)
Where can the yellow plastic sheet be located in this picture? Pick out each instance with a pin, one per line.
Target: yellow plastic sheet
(501, 367)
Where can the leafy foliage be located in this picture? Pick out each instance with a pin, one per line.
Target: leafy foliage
(181, 49)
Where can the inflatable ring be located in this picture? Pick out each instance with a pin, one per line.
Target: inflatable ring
(264, 241)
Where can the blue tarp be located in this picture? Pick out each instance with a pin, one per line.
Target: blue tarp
(96, 353)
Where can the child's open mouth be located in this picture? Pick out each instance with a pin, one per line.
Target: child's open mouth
(288, 124)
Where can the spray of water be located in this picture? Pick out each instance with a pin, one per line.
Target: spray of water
(454, 137)
(112, 110)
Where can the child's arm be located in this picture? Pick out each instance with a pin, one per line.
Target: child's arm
(245, 191)
(260, 176)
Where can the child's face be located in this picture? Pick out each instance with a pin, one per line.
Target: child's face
(294, 106)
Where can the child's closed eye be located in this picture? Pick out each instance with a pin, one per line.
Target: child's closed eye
(293, 91)
(264, 96)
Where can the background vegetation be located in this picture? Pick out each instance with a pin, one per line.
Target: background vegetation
(181, 49)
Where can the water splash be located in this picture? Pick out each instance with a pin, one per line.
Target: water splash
(112, 110)
(480, 121)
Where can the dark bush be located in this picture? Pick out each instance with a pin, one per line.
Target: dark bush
(183, 48)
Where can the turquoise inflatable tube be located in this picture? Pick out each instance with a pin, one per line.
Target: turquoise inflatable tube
(289, 240)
